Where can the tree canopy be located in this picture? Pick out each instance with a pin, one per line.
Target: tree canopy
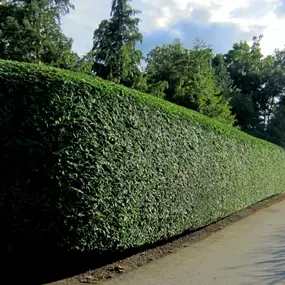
(115, 55)
(30, 31)
(190, 78)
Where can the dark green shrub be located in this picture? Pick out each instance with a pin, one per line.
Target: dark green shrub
(92, 165)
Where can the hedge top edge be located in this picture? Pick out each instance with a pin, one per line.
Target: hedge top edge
(9, 68)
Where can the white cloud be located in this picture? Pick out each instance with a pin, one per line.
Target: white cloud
(250, 16)
(81, 23)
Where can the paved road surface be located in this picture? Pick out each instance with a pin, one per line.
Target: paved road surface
(251, 251)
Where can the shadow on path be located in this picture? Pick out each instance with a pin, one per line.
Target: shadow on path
(270, 269)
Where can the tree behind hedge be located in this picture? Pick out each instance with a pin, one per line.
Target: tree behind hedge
(30, 31)
(190, 79)
(276, 127)
(115, 55)
(261, 85)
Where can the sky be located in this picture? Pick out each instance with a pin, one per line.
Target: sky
(219, 23)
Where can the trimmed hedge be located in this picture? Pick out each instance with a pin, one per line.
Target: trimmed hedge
(91, 165)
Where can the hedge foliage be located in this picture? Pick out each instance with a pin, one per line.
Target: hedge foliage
(93, 165)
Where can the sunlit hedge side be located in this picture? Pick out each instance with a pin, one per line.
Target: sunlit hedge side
(92, 165)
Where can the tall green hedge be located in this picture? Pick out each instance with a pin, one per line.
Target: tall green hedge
(92, 165)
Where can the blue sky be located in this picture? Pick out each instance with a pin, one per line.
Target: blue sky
(219, 23)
